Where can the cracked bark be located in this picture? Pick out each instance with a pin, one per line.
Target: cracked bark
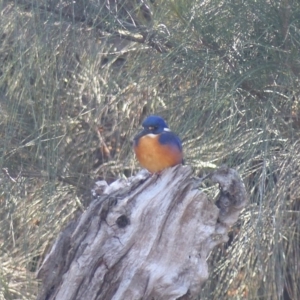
(147, 237)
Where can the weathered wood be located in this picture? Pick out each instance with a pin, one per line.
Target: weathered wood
(147, 237)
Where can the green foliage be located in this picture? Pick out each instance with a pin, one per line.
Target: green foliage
(77, 79)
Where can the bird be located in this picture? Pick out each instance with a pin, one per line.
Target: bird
(156, 146)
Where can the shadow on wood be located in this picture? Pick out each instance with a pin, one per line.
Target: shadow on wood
(147, 237)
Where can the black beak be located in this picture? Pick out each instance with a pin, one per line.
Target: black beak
(139, 135)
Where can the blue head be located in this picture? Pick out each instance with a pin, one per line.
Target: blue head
(152, 125)
(155, 125)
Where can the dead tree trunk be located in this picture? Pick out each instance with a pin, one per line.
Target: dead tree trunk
(147, 237)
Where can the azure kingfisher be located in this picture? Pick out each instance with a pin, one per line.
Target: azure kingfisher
(156, 146)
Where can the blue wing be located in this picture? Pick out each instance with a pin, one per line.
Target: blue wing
(170, 138)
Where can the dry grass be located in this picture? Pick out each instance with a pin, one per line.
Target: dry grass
(74, 89)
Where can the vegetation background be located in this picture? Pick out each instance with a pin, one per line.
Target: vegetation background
(78, 77)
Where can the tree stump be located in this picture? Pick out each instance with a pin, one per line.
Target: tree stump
(147, 237)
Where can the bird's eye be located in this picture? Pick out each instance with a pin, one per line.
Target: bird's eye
(151, 128)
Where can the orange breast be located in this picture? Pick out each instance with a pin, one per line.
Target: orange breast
(155, 157)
